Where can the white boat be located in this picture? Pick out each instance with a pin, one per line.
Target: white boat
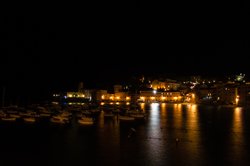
(29, 119)
(59, 120)
(126, 118)
(86, 121)
(15, 116)
(9, 119)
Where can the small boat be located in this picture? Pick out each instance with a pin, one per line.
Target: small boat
(126, 118)
(29, 119)
(59, 120)
(86, 121)
(9, 119)
(14, 116)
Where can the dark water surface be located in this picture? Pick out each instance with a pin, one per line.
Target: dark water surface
(173, 134)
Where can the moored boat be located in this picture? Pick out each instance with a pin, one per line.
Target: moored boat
(59, 120)
(29, 119)
(86, 121)
(126, 118)
(8, 119)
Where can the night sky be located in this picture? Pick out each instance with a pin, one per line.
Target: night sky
(53, 48)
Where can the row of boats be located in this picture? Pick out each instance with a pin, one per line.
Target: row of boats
(41, 114)
(59, 115)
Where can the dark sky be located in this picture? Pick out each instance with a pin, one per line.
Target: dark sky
(52, 48)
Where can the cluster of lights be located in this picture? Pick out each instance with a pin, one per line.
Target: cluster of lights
(75, 95)
(112, 103)
(162, 98)
(117, 98)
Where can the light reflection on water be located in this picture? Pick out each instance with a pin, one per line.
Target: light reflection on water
(154, 118)
(237, 120)
(237, 141)
(155, 139)
(203, 134)
(207, 136)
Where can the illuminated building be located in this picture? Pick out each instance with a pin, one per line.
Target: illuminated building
(117, 97)
(165, 85)
(160, 96)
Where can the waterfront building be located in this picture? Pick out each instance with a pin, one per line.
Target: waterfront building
(166, 85)
(151, 95)
(118, 96)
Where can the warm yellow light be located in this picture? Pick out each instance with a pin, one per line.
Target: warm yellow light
(127, 103)
(237, 99)
(175, 98)
(70, 95)
(127, 98)
(111, 97)
(102, 103)
(152, 98)
(163, 98)
(118, 97)
(153, 86)
(142, 98)
(193, 95)
(142, 105)
(117, 103)
(103, 97)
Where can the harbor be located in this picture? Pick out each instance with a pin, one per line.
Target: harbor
(175, 134)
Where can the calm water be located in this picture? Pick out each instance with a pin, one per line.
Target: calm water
(207, 136)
